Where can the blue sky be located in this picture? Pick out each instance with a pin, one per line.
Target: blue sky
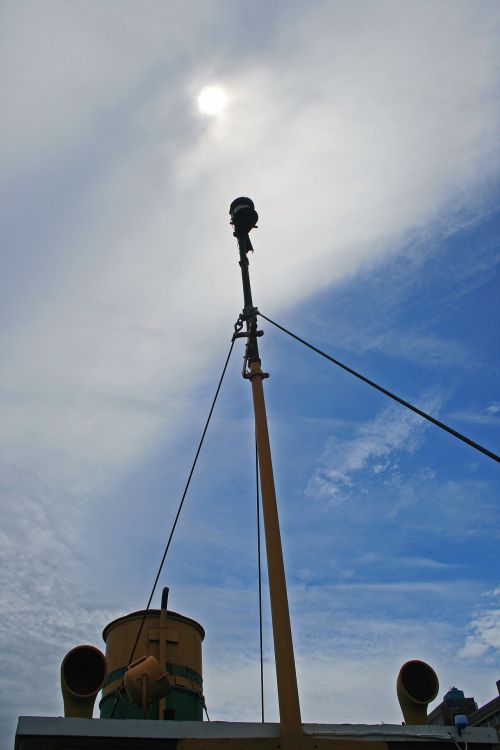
(367, 136)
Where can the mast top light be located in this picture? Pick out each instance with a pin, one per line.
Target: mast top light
(244, 217)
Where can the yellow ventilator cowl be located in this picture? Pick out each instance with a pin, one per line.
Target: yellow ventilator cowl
(83, 672)
(146, 682)
(417, 686)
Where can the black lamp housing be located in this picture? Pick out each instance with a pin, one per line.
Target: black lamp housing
(244, 217)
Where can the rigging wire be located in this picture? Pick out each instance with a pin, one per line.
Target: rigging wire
(421, 413)
(208, 717)
(167, 546)
(260, 581)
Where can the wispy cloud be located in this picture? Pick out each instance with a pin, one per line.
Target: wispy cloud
(487, 415)
(418, 347)
(118, 280)
(425, 563)
(484, 637)
(374, 448)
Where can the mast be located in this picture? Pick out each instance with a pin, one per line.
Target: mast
(244, 218)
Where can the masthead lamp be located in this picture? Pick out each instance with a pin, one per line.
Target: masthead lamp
(244, 217)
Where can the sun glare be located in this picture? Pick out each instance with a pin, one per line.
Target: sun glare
(212, 100)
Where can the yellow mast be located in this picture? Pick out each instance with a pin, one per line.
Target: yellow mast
(244, 218)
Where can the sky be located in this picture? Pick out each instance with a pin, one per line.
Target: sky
(367, 135)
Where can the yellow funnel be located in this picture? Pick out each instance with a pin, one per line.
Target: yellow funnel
(417, 686)
(83, 671)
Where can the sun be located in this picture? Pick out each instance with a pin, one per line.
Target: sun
(212, 100)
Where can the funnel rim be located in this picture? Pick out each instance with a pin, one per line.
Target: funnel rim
(156, 613)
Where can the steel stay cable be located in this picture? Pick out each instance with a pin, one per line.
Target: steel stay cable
(401, 401)
(179, 509)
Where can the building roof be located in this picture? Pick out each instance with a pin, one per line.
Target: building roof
(487, 710)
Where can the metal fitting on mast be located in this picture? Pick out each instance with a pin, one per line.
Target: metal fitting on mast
(244, 218)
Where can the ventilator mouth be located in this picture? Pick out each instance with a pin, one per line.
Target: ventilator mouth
(84, 670)
(420, 681)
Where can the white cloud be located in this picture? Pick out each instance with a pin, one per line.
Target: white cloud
(65, 65)
(493, 408)
(351, 128)
(486, 415)
(484, 637)
(375, 447)
(418, 347)
(96, 340)
(422, 562)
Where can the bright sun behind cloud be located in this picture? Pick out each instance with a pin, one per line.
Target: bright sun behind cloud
(212, 100)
